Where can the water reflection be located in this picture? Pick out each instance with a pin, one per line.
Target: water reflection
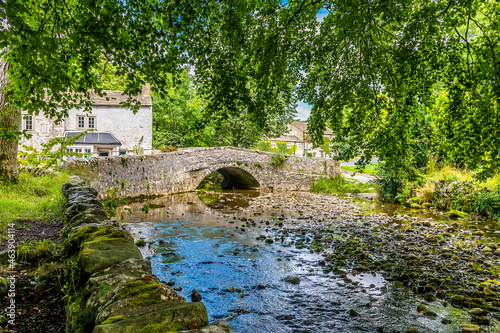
(241, 279)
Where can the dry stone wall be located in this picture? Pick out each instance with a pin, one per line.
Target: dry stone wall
(183, 170)
(111, 287)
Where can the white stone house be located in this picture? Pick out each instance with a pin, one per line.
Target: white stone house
(297, 135)
(113, 130)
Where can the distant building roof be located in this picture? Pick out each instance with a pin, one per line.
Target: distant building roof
(116, 97)
(287, 138)
(101, 138)
(303, 127)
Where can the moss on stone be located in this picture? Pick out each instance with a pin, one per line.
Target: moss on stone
(140, 243)
(86, 253)
(142, 292)
(113, 319)
(161, 328)
(457, 213)
(91, 234)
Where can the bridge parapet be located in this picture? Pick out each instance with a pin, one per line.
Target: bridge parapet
(183, 170)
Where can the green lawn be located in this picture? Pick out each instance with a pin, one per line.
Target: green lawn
(340, 185)
(32, 198)
(369, 169)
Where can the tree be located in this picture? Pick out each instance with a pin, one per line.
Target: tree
(368, 68)
(54, 51)
(182, 119)
(371, 67)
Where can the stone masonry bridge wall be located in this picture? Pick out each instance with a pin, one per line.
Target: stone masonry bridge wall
(183, 170)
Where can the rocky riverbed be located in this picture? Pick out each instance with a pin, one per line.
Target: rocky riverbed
(443, 272)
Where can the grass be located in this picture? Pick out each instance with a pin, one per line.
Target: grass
(32, 198)
(340, 185)
(369, 169)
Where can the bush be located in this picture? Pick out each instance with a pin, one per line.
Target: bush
(264, 145)
(390, 188)
(166, 149)
(278, 159)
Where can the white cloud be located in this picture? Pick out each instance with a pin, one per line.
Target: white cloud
(303, 110)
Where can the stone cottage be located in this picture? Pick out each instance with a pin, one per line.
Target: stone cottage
(297, 136)
(113, 130)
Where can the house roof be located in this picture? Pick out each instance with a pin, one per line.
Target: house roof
(101, 138)
(288, 138)
(116, 97)
(302, 126)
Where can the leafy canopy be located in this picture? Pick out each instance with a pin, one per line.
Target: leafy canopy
(400, 79)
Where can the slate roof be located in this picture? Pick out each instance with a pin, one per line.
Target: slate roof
(288, 138)
(303, 127)
(113, 98)
(93, 138)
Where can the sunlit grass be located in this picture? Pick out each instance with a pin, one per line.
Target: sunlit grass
(369, 169)
(32, 198)
(340, 185)
(450, 174)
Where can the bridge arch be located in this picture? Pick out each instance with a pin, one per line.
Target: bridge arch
(235, 176)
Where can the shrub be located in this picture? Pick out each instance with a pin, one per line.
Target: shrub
(426, 193)
(390, 188)
(278, 159)
(166, 149)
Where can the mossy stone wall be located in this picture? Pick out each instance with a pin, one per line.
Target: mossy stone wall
(111, 288)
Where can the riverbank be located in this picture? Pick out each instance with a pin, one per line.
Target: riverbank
(39, 279)
(32, 212)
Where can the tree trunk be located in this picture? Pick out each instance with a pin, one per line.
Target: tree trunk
(9, 120)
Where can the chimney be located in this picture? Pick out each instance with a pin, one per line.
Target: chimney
(146, 89)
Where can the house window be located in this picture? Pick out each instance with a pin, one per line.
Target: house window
(80, 122)
(87, 150)
(91, 122)
(300, 146)
(288, 145)
(273, 144)
(28, 122)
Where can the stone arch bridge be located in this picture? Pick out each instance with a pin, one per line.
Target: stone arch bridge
(183, 170)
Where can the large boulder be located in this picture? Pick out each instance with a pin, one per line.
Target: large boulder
(182, 316)
(98, 255)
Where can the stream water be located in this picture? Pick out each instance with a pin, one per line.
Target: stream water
(218, 250)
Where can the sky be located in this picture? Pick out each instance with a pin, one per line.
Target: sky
(304, 109)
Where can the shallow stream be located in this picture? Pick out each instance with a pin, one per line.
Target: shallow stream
(219, 250)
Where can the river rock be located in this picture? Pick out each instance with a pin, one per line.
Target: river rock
(470, 328)
(457, 213)
(195, 296)
(457, 298)
(292, 279)
(421, 308)
(215, 327)
(488, 292)
(476, 311)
